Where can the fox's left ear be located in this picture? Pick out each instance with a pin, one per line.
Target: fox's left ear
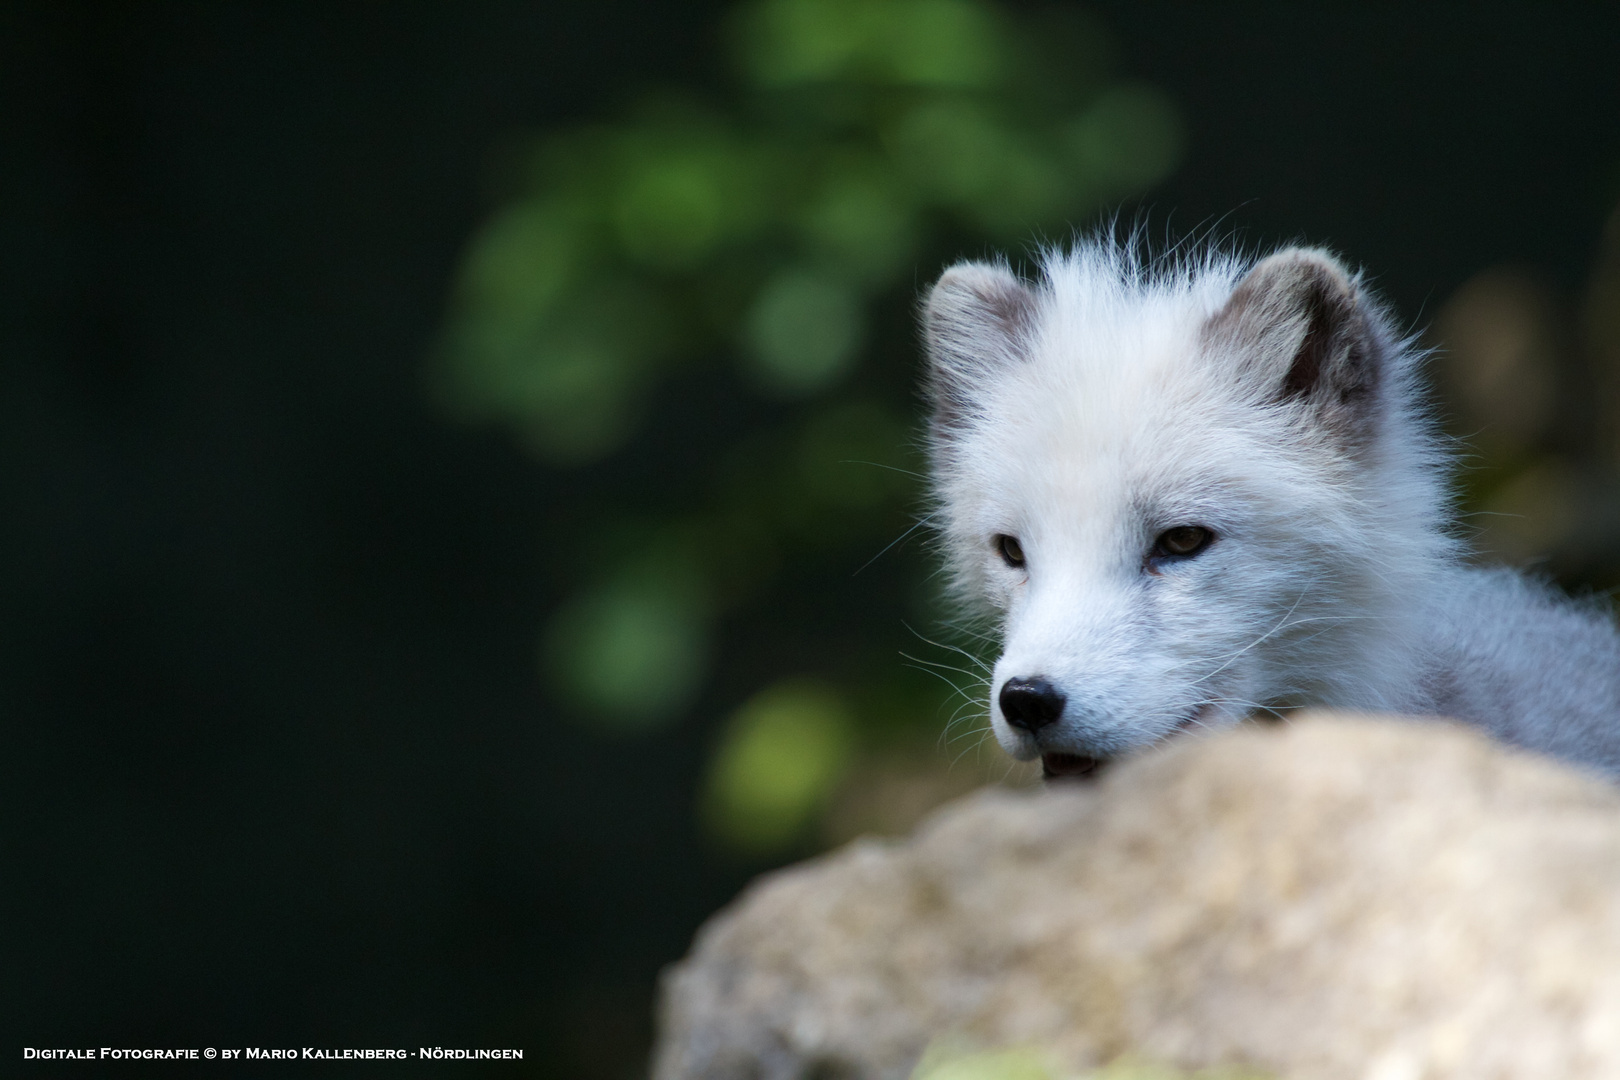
(976, 320)
(1301, 330)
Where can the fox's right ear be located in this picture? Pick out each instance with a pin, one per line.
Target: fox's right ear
(976, 320)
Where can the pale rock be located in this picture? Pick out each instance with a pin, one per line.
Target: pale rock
(1336, 898)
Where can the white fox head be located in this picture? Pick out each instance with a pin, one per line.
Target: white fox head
(1190, 493)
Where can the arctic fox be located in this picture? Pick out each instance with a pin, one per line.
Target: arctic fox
(1199, 491)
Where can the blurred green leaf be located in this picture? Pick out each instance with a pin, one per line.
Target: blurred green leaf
(1129, 138)
(952, 148)
(859, 220)
(939, 1064)
(521, 261)
(781, 755)
(670, 212)
(802, 333)
(940, 43)
(632, 651)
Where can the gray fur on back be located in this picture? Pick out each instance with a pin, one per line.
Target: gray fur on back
(1526, 663)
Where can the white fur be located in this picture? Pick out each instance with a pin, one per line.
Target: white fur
(1114, 399)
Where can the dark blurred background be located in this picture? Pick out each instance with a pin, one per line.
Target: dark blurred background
(288, 759)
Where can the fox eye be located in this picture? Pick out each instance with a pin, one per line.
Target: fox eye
(1182, 542)
(1010, 550)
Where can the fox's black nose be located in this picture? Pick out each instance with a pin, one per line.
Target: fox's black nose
(1030, 704)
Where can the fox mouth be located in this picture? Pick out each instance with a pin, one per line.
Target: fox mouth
(1071, 766)
(1061, 766)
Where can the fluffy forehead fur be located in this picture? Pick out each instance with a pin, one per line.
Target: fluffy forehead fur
(1087, 412)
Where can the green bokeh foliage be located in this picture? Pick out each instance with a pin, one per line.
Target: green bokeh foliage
(768, 235)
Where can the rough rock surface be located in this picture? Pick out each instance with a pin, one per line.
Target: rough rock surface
(1334, 898)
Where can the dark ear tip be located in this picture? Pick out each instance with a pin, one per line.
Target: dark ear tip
(984, 293)
(983, 282)
(1300, 255)
(1307, 267)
